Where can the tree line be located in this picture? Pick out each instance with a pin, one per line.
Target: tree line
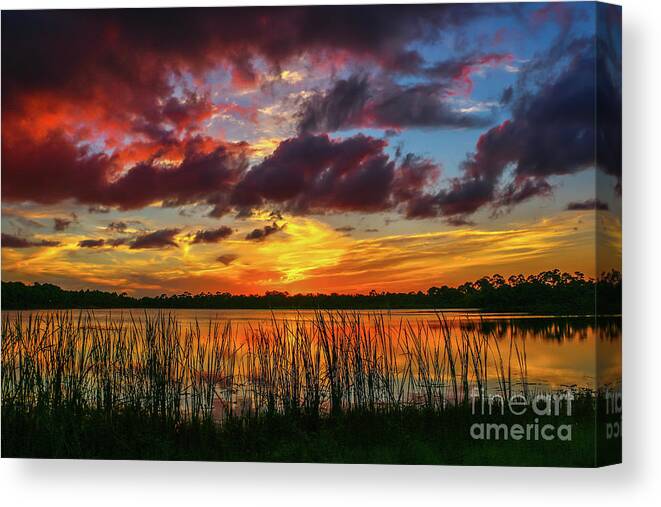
(552, 292)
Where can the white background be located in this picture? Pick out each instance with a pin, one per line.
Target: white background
(637, 481)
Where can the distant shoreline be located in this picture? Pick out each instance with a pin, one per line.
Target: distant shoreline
(549, 292)
(476, 311)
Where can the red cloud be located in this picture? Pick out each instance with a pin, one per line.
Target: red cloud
(55, 169)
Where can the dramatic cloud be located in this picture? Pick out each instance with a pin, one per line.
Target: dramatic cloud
(522, 190)
(414, 175)
(212, 235)
(304, 174)
(314, 174)
(11, 241)
(53, 169)
(264, 232)
(354, 103)
(162, 238)
(587, 205)
(122, 59)
(609, 93)
(340, 107)
(199, 176)
(422, 106)
(551, 133)
(121, 118)
(191, 110)
(305, 116)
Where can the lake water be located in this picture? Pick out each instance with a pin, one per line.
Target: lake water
(557, 351)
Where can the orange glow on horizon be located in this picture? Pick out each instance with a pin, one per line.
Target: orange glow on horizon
(310, 256)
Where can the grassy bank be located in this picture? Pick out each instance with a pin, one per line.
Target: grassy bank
(411, 436)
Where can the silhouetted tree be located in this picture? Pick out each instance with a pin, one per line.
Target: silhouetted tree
(551, 292)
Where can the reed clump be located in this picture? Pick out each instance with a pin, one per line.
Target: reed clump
(333, 363)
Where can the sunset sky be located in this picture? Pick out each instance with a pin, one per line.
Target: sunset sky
(307, 149)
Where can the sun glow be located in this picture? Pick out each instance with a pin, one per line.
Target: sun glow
(309, 255)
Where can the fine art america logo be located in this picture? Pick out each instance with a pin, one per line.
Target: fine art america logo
(613, 416)
(534, 413)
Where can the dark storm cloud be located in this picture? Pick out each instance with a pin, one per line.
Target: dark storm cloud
(303, 174)
(162, 238)
(118, 67)
(588, 204)
(132, 50)
(609, 91)
(414, 175)
(51, 170)
(462, 197)
(117, 72)
(353, 103)
(212, 235)
(11, 241)
(551, 132)
(54, 169)
(340, 107)
(310, 174)
(264, 232)
(422, 106)
(315, 171)
(189, 181)
(190, 110)
(227, 259)
(521, 191)
(114, 69)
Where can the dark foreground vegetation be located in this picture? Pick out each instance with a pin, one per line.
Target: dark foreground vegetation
(549, 292)
(337, 389)
(405, 436)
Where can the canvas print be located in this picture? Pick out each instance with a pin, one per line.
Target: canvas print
(349, 234)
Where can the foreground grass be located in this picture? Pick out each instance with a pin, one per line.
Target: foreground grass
(411, 436)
